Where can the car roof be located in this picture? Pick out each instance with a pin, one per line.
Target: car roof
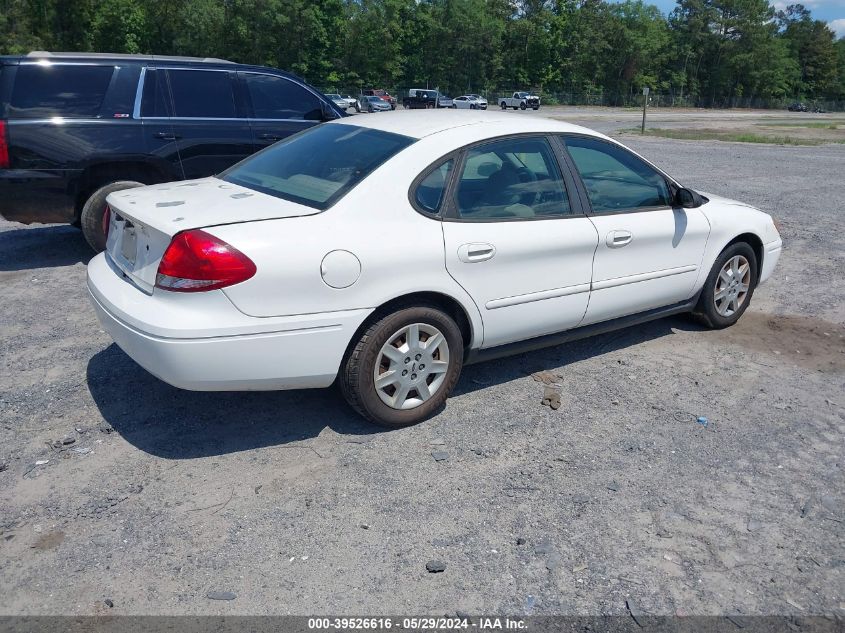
(419, 124)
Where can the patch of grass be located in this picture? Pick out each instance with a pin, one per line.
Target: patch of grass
(821, 125)
(736, 137)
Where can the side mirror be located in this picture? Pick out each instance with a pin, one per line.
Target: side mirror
(688, 199)
(328, 113)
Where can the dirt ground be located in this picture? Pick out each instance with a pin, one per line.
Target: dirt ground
(116, 487)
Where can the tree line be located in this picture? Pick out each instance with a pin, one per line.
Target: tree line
(711, 53)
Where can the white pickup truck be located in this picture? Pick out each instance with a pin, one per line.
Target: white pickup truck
(521, 101)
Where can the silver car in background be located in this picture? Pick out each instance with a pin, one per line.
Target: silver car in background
(374, 104)
(467, 102)
(481, 101)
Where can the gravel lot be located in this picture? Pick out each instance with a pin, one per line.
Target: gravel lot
(159, 496)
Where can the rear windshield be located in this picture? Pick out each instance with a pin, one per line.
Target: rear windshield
(319, 166)
(59, 90)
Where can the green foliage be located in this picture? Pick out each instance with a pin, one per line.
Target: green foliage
(707, 52)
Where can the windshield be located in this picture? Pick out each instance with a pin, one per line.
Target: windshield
(319, 166)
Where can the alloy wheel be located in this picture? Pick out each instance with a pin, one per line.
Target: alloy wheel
(732, 285)
(411, 366)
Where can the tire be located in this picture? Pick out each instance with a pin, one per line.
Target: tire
(718, 316)
(537, 108)
(504, 106)
(522, 106)
(357, 374)
(91, 217)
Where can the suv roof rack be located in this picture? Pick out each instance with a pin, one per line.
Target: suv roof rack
(171, 58)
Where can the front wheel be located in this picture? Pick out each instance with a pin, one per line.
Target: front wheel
(403, 367)
(522, 106)
(729, 287)
(92, 215)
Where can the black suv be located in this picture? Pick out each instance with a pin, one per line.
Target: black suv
(76, 126)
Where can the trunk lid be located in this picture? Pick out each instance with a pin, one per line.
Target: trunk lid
(144, 220)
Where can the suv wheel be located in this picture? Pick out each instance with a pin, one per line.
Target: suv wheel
(403, 367)
(91, 217)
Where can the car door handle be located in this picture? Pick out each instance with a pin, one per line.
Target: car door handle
(166, 136)
(618, 239)
(476, 252)
(270, 137)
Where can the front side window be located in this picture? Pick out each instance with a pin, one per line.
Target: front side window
(616, 180)
(275, 97)
(429, 192)
(70, 91)
(202, 94)
(513, 178)
(319, 166)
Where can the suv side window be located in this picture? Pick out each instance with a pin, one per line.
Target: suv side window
(616, 180)
(154, 101)
(511, 178)
(72, 91)
(202, 94)
(275, 97)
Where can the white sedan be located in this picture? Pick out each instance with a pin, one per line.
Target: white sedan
(467, 102)
(490, 236)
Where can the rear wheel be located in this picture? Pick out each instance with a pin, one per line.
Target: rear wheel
(729, 287)
(403, 366)
(91, 218)
(504, 106)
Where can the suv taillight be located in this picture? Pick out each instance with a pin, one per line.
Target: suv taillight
(4, 147)
(196, 261)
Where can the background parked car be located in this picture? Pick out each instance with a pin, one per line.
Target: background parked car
(467, 102)
(520, 101)
(353, 102)
(76, 126)
(482, 102)
(420, 98)
(383, 95)
(374, 104)
(797, 107)
(342, 102)
(444, 101)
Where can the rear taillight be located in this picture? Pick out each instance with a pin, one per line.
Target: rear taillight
(4, 147)
(197, 261)
(106, 220)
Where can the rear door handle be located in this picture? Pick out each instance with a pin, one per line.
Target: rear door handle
(270, 137)
(476, 252)
(166, 136)
(618, 239)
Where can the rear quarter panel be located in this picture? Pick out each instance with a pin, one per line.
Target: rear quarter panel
(400, 251)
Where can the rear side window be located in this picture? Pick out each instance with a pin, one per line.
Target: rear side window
(319, 166)
(429, 193)
(275, 97)
(202, 94)
(59, 90)
(154, 102)
(511, 178)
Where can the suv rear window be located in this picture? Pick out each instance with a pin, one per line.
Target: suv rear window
(319, 166)
(73, 91)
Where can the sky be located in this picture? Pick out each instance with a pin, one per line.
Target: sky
(831, 11)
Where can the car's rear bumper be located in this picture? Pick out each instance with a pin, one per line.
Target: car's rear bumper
(37, 195)
(771, 255)
(200, 341)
